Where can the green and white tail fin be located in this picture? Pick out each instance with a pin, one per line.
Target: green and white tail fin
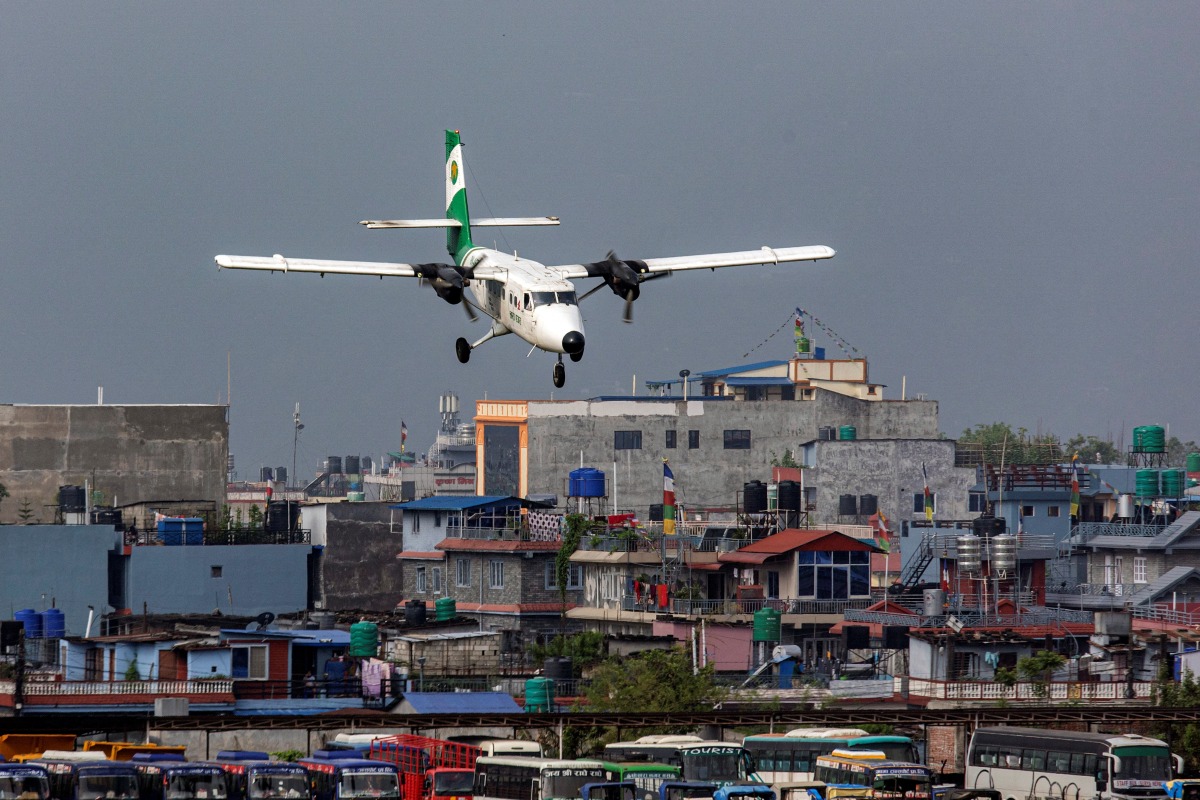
(458, 239)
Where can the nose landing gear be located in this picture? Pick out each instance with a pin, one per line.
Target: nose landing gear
(560, 374)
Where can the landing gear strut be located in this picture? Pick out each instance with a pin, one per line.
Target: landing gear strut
(462, 348)
(560, 374)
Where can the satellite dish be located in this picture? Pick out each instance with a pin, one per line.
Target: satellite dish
(264, 619)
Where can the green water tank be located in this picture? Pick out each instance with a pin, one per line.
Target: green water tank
(364, 640)
(445, 609)
(1149, 439)
(1193, 462)
(767, 623)
(847, 433)
(1146, 483)
(1172, 482)
(539, 694)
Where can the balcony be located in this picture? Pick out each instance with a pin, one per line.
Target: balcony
(706, 607)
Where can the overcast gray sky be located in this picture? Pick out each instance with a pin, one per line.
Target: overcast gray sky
(1011, 188)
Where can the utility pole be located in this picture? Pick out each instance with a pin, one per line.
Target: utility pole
(296, 428)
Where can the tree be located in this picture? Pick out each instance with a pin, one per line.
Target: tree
(1000, 443)
(1094, 450)
(131, 672)
(652, 681)
(575, 525)
(1184, 693)
(256, 517)
(585, 649)
(1038, 668)
(25, 512)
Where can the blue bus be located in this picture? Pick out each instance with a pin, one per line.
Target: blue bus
(89, 779)
(341, 775)
(166, 776)
(24, 782)
(252, 775)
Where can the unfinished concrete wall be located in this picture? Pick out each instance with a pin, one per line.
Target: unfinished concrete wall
(359, 569)
(128, 453)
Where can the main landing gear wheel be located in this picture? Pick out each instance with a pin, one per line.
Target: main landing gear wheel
(560, 375)
(577, 356)
(462, 348)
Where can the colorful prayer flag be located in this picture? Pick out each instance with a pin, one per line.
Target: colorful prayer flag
(928, 495)
(1075, 485)
(668, 499)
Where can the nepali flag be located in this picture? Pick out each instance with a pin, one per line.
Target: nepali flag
(668, 499)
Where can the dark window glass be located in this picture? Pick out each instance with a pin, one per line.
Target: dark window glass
(737, 440)
(693, 440)
(670, 440)
(627, 440)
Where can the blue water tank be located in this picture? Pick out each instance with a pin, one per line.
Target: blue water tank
(586, 482)
(54, 623)
(32, 621)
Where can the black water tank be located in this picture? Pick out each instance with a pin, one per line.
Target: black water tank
(72, 499)
(847, 505)
(558, 668)
(333, 465)
(281, 516)
(856, 637)
(414, 612)
(988, 526)
(353, 465)
(281, 474)
(656, 512)
(895, 637)
(755, 497)
(868, 504)
(789, 496)
(266, 474)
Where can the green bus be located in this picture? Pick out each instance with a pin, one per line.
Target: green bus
(646, 775)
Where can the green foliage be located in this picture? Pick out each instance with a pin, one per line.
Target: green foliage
(585, 649)
(652, 681)
(1038, 668)
(1006, 676)
(1000, 443)
(573, 530)
(131, 672)
(1185, 739)
(3, 492)
(288, 755)
(788, 459)
(1094, 450)
(25, 512)
(256, 517)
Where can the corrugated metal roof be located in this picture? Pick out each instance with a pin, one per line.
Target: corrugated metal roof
(458, 503)
(462, 703)
(758, 382)
(795, 539)
(716, 373)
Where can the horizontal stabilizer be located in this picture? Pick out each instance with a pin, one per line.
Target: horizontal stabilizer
(493, 222)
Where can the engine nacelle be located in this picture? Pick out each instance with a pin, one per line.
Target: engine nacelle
(628, 291)
(451, 294)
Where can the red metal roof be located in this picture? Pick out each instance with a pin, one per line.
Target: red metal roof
(792, 539)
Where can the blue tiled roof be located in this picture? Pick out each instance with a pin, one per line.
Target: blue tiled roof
(716, 373)
(462, 702)
(758, 382)
(458, 503)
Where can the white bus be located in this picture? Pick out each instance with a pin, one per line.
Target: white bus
(722, 763)
(531, 778)
(1023, 762)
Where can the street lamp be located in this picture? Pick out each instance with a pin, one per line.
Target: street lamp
(296, 428)
(683, 374)
(420, 673)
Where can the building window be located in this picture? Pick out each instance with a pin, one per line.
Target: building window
(737, 440)
(437, 580)
(249, 662)
(976, 502)
(787, 392)
(497, 577)
(1139, 569)
(216, 570)
(416, 518)
(627, 440)
(1027, 511)
(1053, 511)
(919, 502)
(833, 575)
(574, 576)
(422, 586)
(693, 440)
(670, 440)
(462, 572)
(756, 393)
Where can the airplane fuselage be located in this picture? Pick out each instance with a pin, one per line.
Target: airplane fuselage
(530, 302)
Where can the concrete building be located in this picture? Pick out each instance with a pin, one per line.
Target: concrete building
(125, 453)
(357, 566)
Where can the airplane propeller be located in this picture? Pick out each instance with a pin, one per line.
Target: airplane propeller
(446, 280)
(623, 277)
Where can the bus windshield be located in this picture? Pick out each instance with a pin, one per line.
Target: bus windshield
(563, 783)
(369, 784)
(715, 764)
(107, 787)
(902, 787)
(205, 786)
(271, 786)
(28, 788)
(454, 782)
(1141, 764)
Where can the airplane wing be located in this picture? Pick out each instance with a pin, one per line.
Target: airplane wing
(765, 255)
(490, 222)
(278, 263)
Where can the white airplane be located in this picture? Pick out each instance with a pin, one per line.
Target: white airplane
(535, 301)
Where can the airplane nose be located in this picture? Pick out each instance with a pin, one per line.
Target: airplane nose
(573, 342)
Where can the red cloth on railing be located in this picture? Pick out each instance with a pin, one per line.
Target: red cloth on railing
(661, 590)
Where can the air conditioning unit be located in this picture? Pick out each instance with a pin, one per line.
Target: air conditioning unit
(318, 604)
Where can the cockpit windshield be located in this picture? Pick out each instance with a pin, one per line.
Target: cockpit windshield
(550, 298)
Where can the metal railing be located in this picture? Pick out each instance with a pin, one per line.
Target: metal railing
(1031, 693)
(707, 607)
(75, 688)
(223, 536)
(1086, 531)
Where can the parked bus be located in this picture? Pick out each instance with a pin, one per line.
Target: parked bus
(647, 776)
(870, 775)
(789, 757)
(1024, 761)
(716, 762)
(88, 776)
(341, 775)
(252, 775)
(529, 778)
(24, 782)
(125, 751)
(166, 776)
